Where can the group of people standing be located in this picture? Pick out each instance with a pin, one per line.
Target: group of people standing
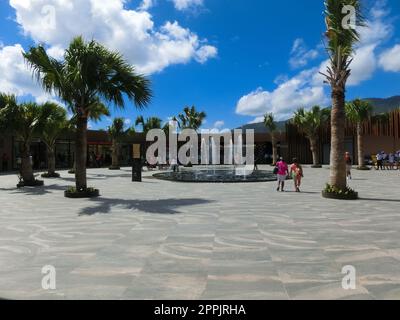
(386, 161)
(283, 170)
(295, 171)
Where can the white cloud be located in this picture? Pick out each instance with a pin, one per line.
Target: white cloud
(377, 31)
(214, 131)
(363, 65)
(299, 91)
(307, 88)
(206, 52)
(301, 55)
(218, 127)
(127, 122)
(390, 59)
(19, 79)
(15, 75)
(146, 5)
(131, 32)
(186, 4)
(365, 61)
(219, 124)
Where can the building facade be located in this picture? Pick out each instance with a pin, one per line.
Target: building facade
(378, 135)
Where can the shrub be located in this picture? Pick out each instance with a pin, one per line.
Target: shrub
(334, 192)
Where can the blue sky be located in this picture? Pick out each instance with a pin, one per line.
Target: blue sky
(234, 59)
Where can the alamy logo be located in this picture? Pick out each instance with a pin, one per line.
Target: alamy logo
(49, 278)
(48, 21)
(230, 148)
(349, 280)
(350, 19)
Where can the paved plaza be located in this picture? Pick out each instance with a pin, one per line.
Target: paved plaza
(166, 240)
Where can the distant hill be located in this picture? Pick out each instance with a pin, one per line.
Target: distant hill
(384, 105)
(260, 127)
(380, 106)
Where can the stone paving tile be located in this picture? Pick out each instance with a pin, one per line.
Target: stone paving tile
(232, 288)
(168, 286)
(164, 240)
(324, 290)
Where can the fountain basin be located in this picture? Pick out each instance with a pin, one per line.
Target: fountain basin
(217, 174)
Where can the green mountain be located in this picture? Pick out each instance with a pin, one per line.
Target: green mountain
(385, 105)
(260, 127)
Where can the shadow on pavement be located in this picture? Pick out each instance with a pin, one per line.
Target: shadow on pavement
(161, 206)
(381, 200)
(36, 190)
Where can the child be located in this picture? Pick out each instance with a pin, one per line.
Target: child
(296, 171)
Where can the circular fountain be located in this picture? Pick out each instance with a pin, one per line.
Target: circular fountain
(212, 172)
(217, 174)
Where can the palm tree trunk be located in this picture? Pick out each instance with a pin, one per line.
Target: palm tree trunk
(338, 164)
(314, 150)
(51, 159)
(74, 160)
(360, 146)
(81, 154)
(26, 166)
(274, 149)
(115, 154)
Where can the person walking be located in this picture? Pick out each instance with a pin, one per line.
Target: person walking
(379, 160)
(391, 161)
(296, 171)
(282, 173)
(349, 163)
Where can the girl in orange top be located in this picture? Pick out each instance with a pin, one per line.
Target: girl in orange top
(296, 171)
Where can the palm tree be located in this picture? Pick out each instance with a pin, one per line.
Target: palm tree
(97, 111)
(6, 100)
(359, 111)
(148, 124)
(116, 132)
(23, 121)
(380, 118)
(53, 121)
(131, 131)
(191, 118)
(89, 73)
(270, 124)
(341, 42)
(309, 122)
(173, 122)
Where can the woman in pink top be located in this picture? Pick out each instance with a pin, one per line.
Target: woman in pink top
(296, 171)
(282, 174)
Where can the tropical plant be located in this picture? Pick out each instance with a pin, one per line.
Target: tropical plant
(172, 123)
(23, 121)
(337, 193)
(148, 124)
(380, 118)
(116, 132)
(89, 73)
(358, 112)
(191, 118)
(97, 111)
(6, 101)
(341, 41)
(131, 131)
(271, 125)
(53, 121)
(309, 122)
